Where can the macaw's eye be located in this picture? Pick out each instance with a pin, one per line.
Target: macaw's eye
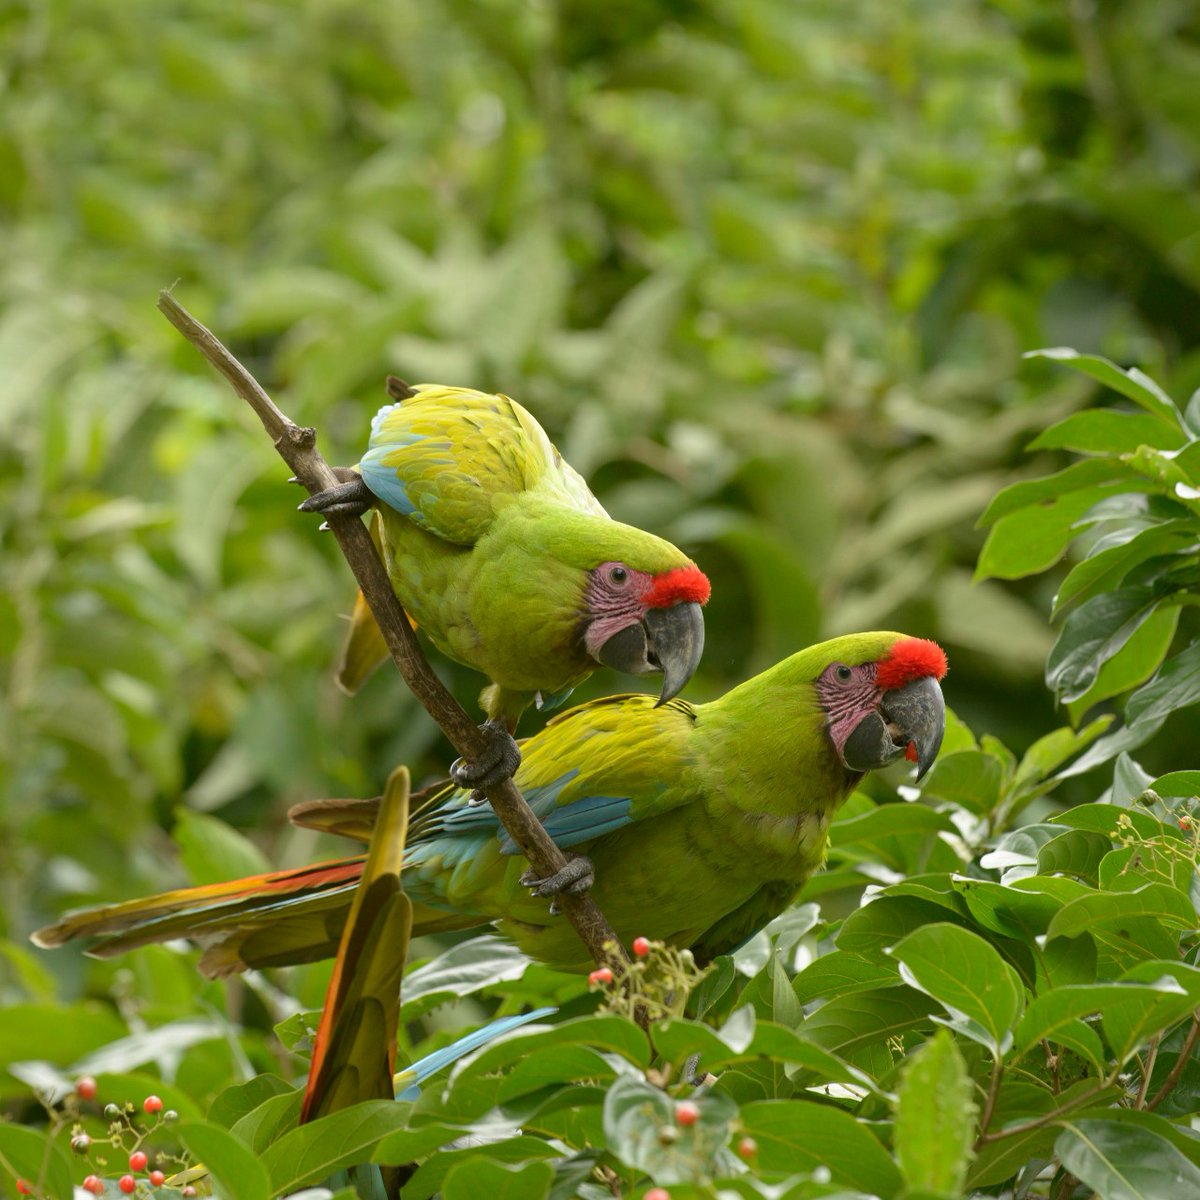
(844, 674)
(618, 575)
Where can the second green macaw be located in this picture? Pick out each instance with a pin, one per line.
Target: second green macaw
(701, 822)
(500, 553)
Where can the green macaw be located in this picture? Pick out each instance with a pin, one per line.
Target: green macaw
(500, 553)
(701, 821)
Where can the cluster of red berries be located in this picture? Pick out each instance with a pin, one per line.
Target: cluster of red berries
(81, 1143)
(641, 947)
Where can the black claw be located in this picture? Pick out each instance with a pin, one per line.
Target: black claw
(351, 498)
(574, 879)
(499, 762)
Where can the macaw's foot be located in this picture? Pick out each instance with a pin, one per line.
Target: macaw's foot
(499, 761)
(574, 879)
(351, 497)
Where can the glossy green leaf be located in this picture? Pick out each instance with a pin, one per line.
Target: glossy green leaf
(799, 1136)
(311, 1152)
(1123, 1162)
(1075, 852)
(478, 1177)
(32, 1156)
(967, 976)
(237, 1172)
(1132, 383)
(1108, 431)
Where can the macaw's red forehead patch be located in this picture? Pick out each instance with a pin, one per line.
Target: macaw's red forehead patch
(909, 659)
(677, 586)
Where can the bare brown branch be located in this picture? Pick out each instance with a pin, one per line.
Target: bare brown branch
(297, 448)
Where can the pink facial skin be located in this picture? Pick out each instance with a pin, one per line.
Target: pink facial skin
(847, 694)
(614, 602)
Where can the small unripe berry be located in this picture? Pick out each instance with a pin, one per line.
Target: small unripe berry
(170, 1115)
(111, 1111)
(641, 947)
(24, 1188)
(189, 1191)
(747, 1147)
(127, 1183)
(85, 1089)
(138, 1160)
(80, 1143)
(1185, 823)
(152, 1104)
(94, 1184)
(657, 1194)
(667, 1135)
(600, 975)
(157, 1178)
(686, 1113)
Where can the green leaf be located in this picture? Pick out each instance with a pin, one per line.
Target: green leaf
(1064, 1005)
(1155, 900)
(1031, 539)
(1075, 852)
(1009, 910)
(935, 1117)
(472, 966)
(236, 1169)
(342, 1139)
(1045, 491)
(1108, 431)
(972, 779)
(800, 1136)
(263, 1126)
(212, 851)
(850, 1024)
(1125, 1162)
(1133, 384)
(1128, 1024)
(477, 1177)
(1049, 752)
(1092, 635)
(967, 976)
(1112, 558)
(429, 1177)
(874, 928)
(235, 1102)
(28, 1152)
(840, 974)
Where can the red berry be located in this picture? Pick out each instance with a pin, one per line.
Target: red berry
(657, 1194)
(747, 1147)
(93, 1184)
(641, 947)
(686, 1113)
(127, 1183)
(24, 1188)
(85, 1089)
(152, 1104)
(157, 1178)
(138, 1160)
(600, 975)
(1185, 823)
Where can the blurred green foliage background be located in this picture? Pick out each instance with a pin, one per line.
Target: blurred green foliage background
(763, 268)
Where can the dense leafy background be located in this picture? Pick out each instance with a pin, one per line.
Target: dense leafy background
(766, 271)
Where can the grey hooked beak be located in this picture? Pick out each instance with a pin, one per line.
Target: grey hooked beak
(910, 721)
(670, 640)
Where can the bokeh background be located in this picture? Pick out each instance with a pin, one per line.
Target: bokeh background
(765, 269)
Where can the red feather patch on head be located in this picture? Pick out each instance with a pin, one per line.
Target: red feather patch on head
(678, 585)
(909, 659)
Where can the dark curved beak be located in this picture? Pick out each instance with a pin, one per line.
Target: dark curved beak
(670, 640)
(910, 721)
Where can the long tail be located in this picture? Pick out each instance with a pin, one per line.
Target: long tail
(271, 920)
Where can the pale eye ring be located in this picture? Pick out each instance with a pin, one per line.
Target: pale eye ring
(618, 575)
(843, 674)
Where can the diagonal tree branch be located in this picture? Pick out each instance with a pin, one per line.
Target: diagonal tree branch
(297, 448)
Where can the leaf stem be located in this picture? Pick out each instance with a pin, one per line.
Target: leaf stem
(1185, 1053)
